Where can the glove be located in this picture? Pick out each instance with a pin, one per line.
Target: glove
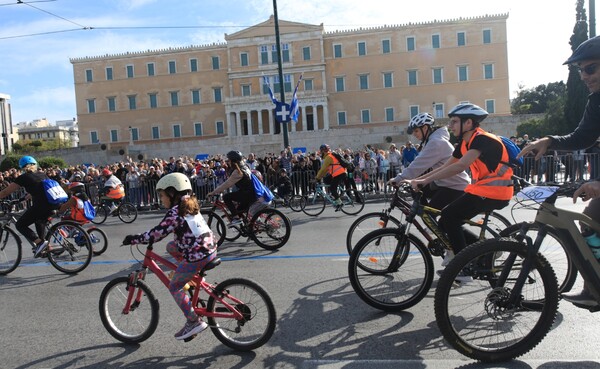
(127, 240)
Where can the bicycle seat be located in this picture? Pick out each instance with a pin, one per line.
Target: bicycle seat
(213, 263)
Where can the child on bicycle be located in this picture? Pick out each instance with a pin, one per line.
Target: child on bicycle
(193, 246)
(77, 208)
(283, 186)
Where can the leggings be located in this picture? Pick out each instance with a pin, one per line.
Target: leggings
(37, 215)
(183, 274)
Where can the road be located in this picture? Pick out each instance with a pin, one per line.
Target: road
(51, 320)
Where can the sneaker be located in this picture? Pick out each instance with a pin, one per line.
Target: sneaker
(38, 250)
(581, 299)
(190, 329)
(234, 222)
(449, 256)
(462, 277)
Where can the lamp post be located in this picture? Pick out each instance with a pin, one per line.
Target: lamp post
(284, 125)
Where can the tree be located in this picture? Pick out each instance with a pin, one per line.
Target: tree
(538, 99)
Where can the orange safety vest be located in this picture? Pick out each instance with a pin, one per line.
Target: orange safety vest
(496, 185)
(76, 213)
(335, 169)
(116, 193)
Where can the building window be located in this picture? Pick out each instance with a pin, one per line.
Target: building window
(438, 110)
(488, 71)
(308, 85)
(365, 116)
(244, 59)
(132, 102)
(487, 36)
(490, 106)
(153, 100)
(198, 129)
(94, 137)
(112, 103)
(341, 117)
(463, 73)
(386, 46)
(89, 75)
(287, 83)
(461, 39)
(389, 114)
(135, 134)
(220, 127)
(129, 69)
(412, 78)
(273, 53)
(193, 65)
(217, 93)
(174, 98)
(337, 51)
(114, 135)
(388, 80)
(155, 133)
(215, 63)
(363, 81)
(176, 130)
(91, 104)
(362, 48)
(196, 97)
(109, 73)
(306, 53)
(264, 55)
(437, 76)
(245, 90)
(410, 43)
(340, 85)
(150, 69)
(285, 53)
(435, 41)
(413, 110)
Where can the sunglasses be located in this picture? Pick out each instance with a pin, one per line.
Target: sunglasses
(589, 69)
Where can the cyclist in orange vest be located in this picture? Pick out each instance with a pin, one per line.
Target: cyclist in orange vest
(75, 203)
(113, 190)
(331, 166)
(484, 154)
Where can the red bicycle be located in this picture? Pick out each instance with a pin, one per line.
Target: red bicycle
(240, 312)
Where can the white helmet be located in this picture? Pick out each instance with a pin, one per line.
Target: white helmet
(468, 111)
(179, 181)
(419, 120)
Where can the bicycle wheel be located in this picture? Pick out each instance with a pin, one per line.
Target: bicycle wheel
(140, 322)
(216, 224)
(366, 224)
(99, 240)
(313, 204)
(254, 303)
(495, 225)
(377, 284)
(127, 212)
(232, 233)
(478, 319)
(354, 202)
(554, 250)
(270, 229)
(295, 203)
(101, 214)
(11, 250)
(70, 248)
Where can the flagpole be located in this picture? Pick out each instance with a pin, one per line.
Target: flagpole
(284, 125)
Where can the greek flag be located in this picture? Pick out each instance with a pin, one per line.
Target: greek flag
(266, 82)
(294, 108)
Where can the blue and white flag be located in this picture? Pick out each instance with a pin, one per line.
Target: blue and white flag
(295, 109)
(266, 82)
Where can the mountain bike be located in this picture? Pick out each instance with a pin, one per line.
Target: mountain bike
(69, 246)
(126, 211)
(240, 312)
(291, 201)
(391, 269)
(314, 203)
(512, 302)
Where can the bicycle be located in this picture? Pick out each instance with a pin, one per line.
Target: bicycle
(314, 203)
(391, 269)
(98, 237)
(513, 300)
(240, 312)
(291, 201)
(126, 211)
(268, 228)
(69, 246)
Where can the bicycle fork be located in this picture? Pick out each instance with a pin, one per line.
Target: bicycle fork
(134, 294)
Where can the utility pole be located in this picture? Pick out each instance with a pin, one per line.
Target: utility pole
(592, 8)
(284, 125)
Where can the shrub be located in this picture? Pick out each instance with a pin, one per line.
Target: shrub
(10, 161)
(50, 161)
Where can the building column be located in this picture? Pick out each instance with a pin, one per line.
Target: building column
(238, 123)
(304, 119)
(249, 119)
(229, 124)
(325, 117)
(315, 118)
(271, 127)
(260, 126)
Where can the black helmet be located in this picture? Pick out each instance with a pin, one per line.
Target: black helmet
(588, 50)
(324, 147)
(235, 156)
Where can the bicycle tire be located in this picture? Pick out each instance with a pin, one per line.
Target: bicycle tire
(216, 224)
(375, 284)
(99, 240)
(295, 203)
(127, 212)
(554, 250)
(11, 250)
(495, 225)
(313, 204)
(126, 327)
(352, 207)
(101, 214)
(69, 247)
(270, 229)
(367, 223)
(258, 310)
(473, 318)
(232, 233)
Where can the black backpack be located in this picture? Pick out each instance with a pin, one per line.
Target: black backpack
(348, 165)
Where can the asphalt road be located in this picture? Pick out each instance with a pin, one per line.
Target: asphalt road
(51, 320)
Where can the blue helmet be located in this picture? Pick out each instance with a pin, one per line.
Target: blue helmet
(26, 160)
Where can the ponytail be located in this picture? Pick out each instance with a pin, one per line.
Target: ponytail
(188, 204)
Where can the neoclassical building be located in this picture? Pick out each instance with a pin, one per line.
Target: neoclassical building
(367, 77)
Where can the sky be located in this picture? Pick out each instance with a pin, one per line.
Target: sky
(37, 74)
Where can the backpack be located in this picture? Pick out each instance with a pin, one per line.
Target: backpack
(343, 162)
(513, 150)
(260, 189)
(55, 194)
(88, 210)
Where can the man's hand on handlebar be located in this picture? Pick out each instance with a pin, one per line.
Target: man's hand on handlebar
(587, 191)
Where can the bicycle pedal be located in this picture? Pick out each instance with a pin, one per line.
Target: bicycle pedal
(189, 338)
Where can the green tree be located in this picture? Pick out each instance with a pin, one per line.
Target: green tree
(576, 89)
(10, 161)
(50, 161)
(537, 100)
